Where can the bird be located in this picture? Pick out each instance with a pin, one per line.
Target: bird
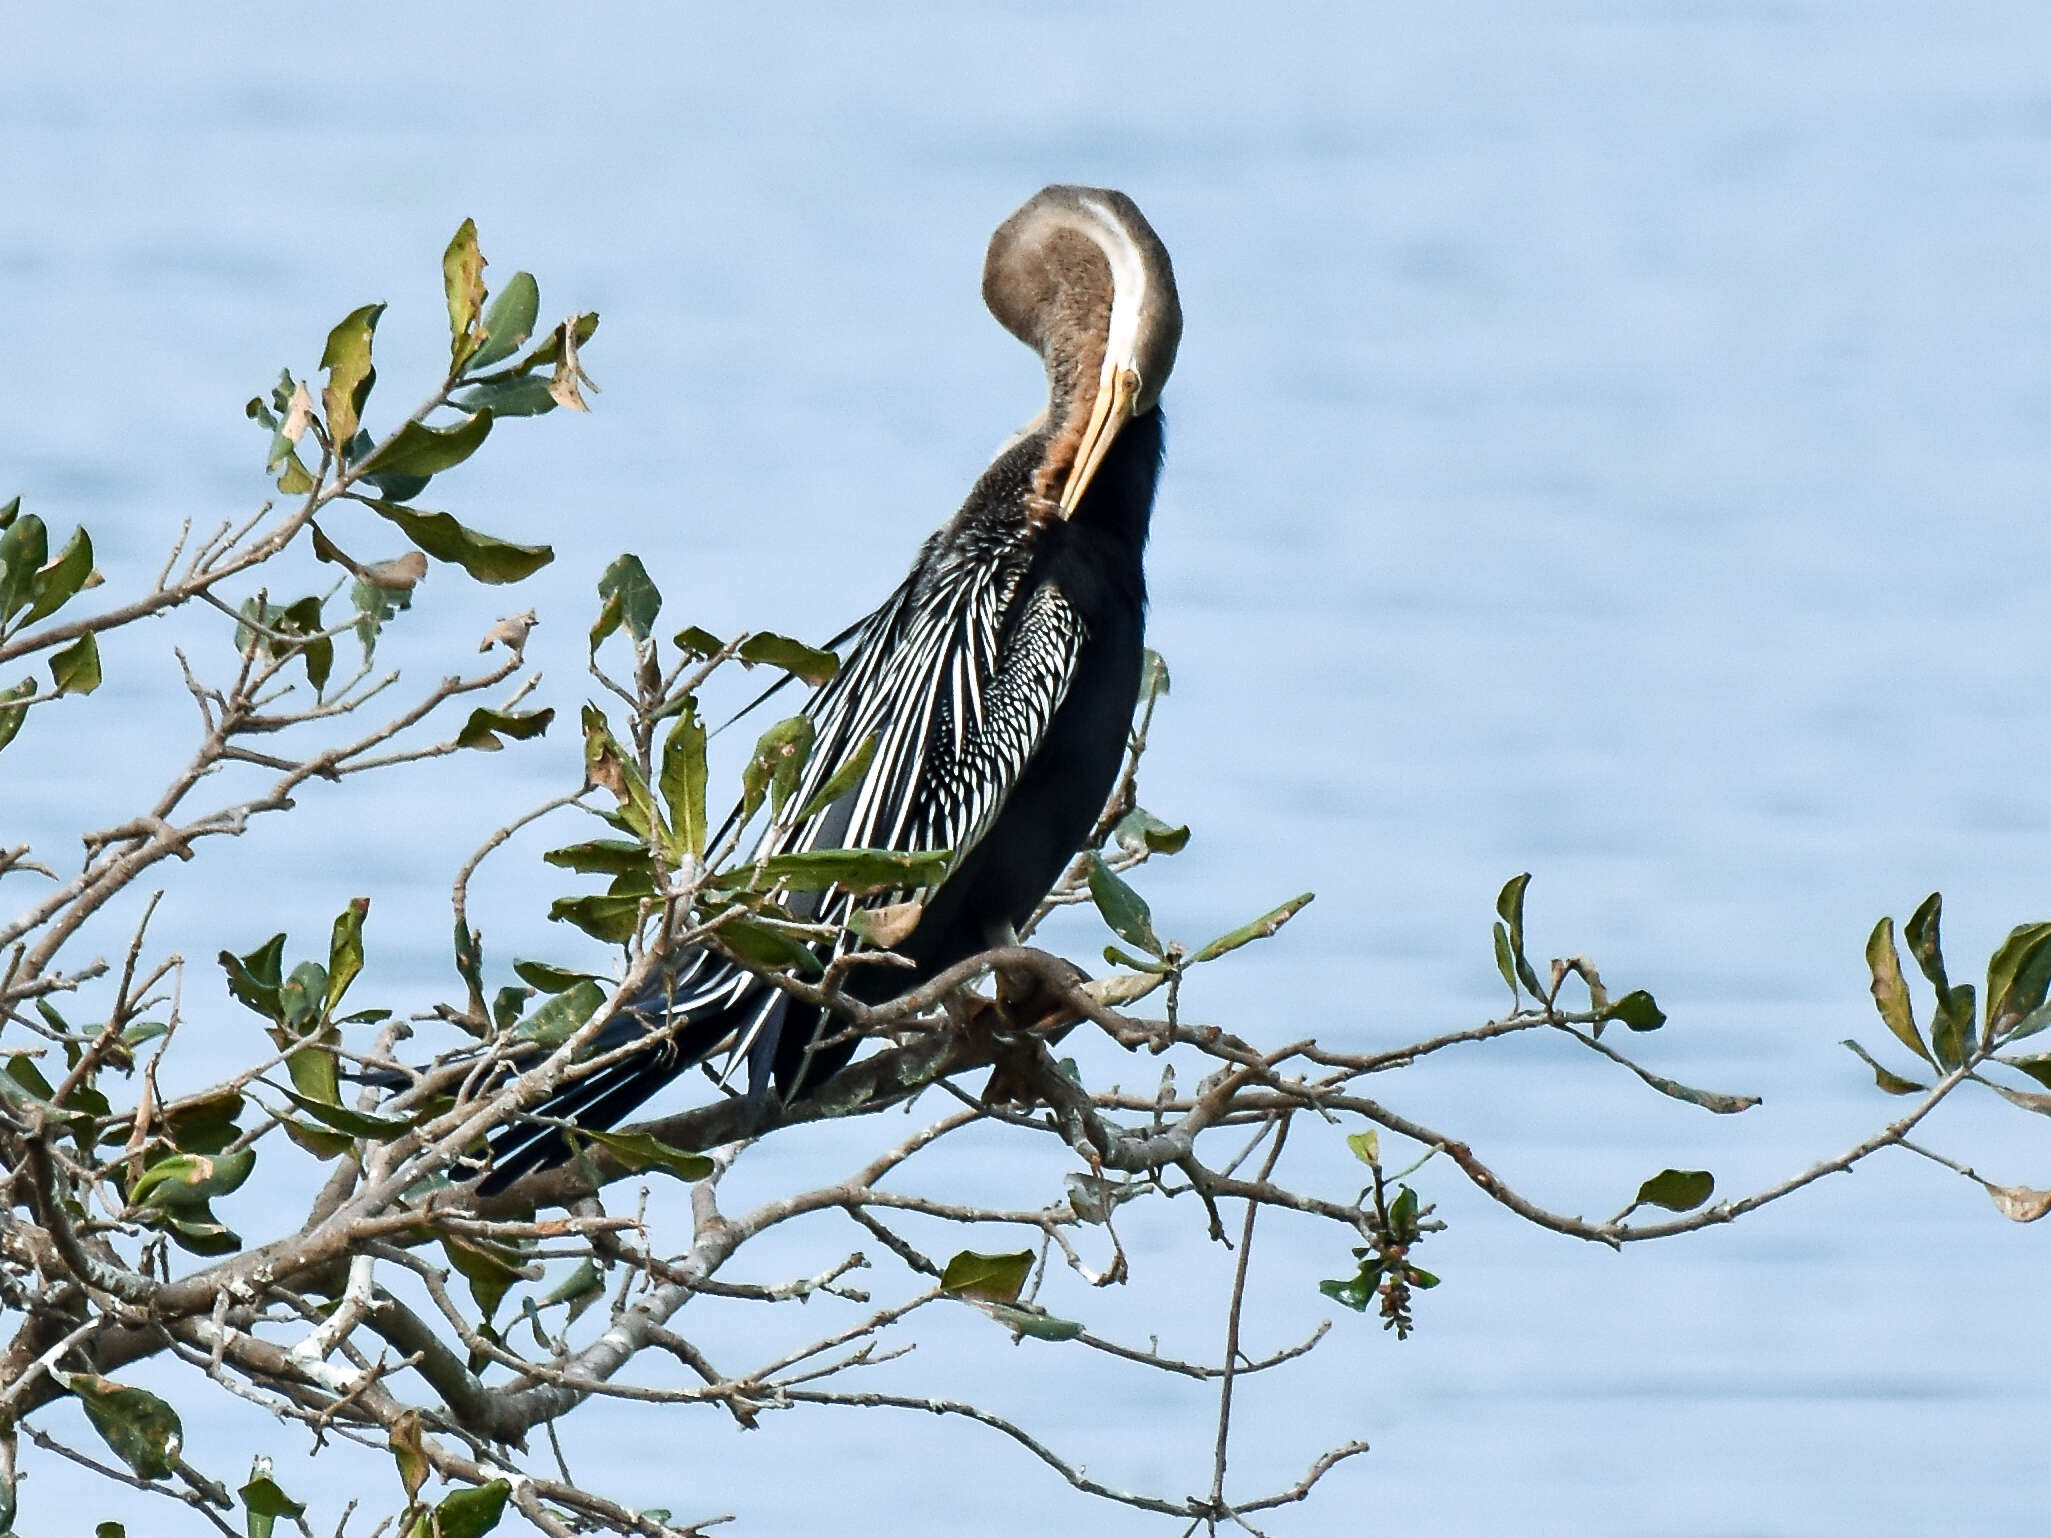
(997, 681)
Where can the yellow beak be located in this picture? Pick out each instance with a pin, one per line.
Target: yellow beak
(1113, 409)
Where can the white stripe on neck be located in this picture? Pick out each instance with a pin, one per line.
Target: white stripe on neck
(1128, 286)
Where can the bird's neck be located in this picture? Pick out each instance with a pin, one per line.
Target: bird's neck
(1073, 377)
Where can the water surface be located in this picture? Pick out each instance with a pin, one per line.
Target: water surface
(1607, 443)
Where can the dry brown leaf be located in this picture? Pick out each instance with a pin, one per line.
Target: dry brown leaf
(606, 773)
(298, 415)
(1122, 987)
(2020, 1203)
(398, 575)
(569, 373)
(892, 924)
(510, 632)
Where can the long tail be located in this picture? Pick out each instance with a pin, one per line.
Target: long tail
(717, 1002)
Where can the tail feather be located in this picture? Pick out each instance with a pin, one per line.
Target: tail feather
(716, 1000)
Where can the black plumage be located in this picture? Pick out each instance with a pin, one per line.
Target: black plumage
(998, 680)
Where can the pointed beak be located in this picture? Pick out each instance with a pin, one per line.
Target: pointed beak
(1113, 409)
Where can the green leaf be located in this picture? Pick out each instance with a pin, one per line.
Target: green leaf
(302, 994)
(843, 779)
(1260, 929)
(469, 958)
(322, 1142)
(392, 484)
(770, 949)
(860, 872)
(76, 668)
(601, 856)
(1637, 1009)
(581, 1283)
(507, 395)
(304, 619)
(409, 1453)
(1153, 675)
(509, 321)
(550, 979)
(1890, 992)
(1123, 908)
(340, 1118)
(11, 716)
(11, 509)
(1119, 958)
(190, 1180)
(296, 480)
(206, 1124)
(640, 1152)
(1709, 1099)
(1355, 1292)
(196, 1230)
(1921, 933)
(630, 597)
(811, 664)
(682, 782)
(345, 951)
(57, 583)
(506, 1005)
(483, 557)
(1510, 908)
(490, 1269)
(265, 1501)
(990, 1278)
(1030, 1319)
(254, 980)
(2018, 976)
(463, 281)
(550, 351)
(1951, 1026)
(1677, 1190)
(1141, 829)
(1403, 1215)
(143, 1431)
(1891, 1083)
(116, 1530)
(1505, 962)
(311, 1064)
(471, 1512)
(350, 374)
(24, 1072)
(375, 605)
(485, 728)
(419, 451)
(780, 755)
(695, 641)
(1366, 1146)
(23, 550)
(560, 1017)
(607, 918)
(2037, 1066)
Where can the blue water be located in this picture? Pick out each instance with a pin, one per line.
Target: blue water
(1609, 441)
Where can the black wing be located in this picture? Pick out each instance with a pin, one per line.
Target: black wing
(958, 677)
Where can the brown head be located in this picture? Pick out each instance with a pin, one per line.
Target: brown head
(1080, 277)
